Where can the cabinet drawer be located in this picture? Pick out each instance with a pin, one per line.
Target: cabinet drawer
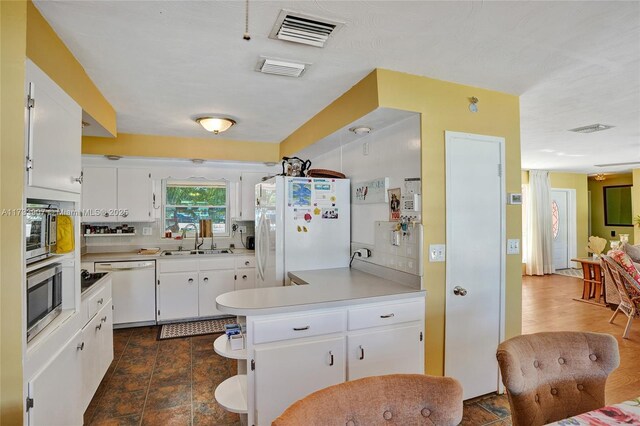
(387, 314)
(294, 327)
(97, 301)
(246, 262)
(214, 263)
(178, 265)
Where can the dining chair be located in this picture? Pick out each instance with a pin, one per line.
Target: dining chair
(555, 375)
(628, 291)
(396, 399)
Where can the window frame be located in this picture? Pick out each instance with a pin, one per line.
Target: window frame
(197, 182)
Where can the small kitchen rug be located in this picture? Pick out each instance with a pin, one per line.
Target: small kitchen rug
(570, 272)
(194, 328)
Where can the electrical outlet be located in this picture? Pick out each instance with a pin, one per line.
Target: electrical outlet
(437, 252)
(513, 246)
(147, 230)
(242, 229)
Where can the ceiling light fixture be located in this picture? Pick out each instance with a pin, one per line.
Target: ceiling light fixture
(360, 130)
(599, 177)
(215, 124)
(113, 157)
(591, 128)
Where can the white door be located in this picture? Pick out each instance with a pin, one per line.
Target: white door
(289, 372)
(99, 194)
(212, 284)
(134, 195)
(475, 262)
(560, 222)
(396, 350)
(178, 296)
(55, 134)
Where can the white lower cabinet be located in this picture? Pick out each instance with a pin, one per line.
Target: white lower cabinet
(178, 296)
(396, 350)
(62, 374)
(211, 285)
(287, 372)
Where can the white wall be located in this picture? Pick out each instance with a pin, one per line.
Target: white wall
(180, 169)
(394, 152)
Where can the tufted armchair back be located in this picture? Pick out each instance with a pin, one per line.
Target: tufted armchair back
(555, 375)
(393, 400)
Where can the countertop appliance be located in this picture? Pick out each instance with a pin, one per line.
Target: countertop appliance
(44, 298)
(40, 231)
(250, 243)
(88, 279)
(133, 291)
(301, 224)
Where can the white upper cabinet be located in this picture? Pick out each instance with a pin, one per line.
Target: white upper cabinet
(112, 194)
(247, 205)
(54, 134)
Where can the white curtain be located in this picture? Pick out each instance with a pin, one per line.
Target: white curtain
(539, 226)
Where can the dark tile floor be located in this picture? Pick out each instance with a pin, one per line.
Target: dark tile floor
(172, 382)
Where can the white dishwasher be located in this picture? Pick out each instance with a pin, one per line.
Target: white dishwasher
(133, 291)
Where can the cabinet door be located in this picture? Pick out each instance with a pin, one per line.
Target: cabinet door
(134, 195)
(56, 390)
(91, 336)
(246, 278)
(178, 296)
(99, 194)
(287, 372)
(397, 350)
(54, 134)
(106, 340)
(213, 284)
(248, 195)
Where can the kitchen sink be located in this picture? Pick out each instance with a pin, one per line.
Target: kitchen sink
(194, 252)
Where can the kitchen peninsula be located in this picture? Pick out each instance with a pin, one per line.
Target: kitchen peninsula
(336, 325)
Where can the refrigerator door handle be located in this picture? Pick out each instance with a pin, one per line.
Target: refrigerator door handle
(260, 247)
(267, 245)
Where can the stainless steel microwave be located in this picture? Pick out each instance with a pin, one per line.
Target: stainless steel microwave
(44, 298)
(41, 222)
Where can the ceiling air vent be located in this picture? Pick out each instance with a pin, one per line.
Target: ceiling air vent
(306, 29)
(591, 128)
(281, 67)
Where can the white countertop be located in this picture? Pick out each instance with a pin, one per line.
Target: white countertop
(133, 255)
(326, 288)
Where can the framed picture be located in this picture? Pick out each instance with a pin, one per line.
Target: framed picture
(394, 204)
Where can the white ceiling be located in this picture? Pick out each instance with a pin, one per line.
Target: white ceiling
(573, 63)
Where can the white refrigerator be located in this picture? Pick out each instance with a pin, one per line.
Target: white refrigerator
(301, 224)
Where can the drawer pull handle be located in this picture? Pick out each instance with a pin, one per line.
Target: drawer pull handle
(361, 352)
(190, 280)
(100, 301)
(99, 326)
(244, 277)
(80, 346)
(206, 279)
(104, 319)
(330, 359)
(391, 315)
(246, 263)
(300, 328)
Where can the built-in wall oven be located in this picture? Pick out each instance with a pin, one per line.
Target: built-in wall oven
(41, 222)
(44, 298)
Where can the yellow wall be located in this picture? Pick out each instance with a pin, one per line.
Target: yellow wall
(46, 50)
(635, 202)
(178, 147)
(579, 183)
(597, 207)
(443, 106)
(13, 30)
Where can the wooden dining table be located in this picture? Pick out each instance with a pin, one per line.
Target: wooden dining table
(592, 279)
(625, 413)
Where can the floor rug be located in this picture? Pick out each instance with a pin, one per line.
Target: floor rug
(576, 273)
(194, 328)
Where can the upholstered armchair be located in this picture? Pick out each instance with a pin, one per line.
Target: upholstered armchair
(396, 399)
(555, 375)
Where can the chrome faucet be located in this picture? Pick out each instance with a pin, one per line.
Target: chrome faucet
(184, 233)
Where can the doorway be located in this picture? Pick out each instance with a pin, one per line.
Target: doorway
(563, 227)
(475, 256)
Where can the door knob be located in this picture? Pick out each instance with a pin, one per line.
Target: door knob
(459, 291)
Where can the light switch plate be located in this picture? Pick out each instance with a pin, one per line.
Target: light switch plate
(436, 253)
(513, 246)
(147, 230)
